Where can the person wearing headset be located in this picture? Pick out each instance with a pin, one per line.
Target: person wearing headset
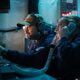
(66, 64)
(40, 35)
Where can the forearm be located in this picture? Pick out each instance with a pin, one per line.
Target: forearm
(17, 57)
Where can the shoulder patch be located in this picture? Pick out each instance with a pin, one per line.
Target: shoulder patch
(40, 48)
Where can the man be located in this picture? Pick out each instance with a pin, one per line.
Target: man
(40, 35)
(66, 64)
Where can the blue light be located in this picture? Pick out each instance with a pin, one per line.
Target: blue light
(49, 10)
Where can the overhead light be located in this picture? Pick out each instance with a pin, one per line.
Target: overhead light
(66, 14)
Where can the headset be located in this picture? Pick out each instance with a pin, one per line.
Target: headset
(70, 29)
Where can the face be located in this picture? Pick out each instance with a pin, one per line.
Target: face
(29, 30)
(60, 24)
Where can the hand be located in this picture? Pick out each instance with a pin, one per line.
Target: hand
(55, 40)
(63, 32)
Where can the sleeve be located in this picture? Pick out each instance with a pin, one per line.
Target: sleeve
(67, 45)
(69, 54)
(68, 49)
(37, 60)
(17, 57)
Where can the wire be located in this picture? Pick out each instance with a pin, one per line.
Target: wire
(10, 29)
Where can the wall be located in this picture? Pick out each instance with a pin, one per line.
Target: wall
(78, 7)
(18, 11)
(49, 10)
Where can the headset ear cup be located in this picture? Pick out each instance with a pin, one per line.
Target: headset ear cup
(71, 27)
(69, 30)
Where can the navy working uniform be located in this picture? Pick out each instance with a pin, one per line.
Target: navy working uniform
(66, 59)
(66, 64)
(35, 56)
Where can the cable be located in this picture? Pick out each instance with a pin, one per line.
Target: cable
(10, 29)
